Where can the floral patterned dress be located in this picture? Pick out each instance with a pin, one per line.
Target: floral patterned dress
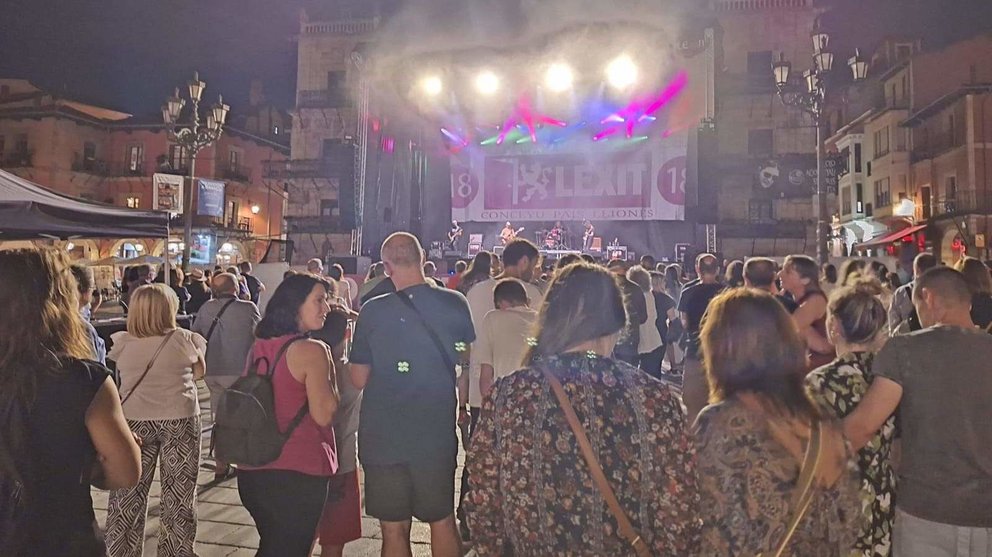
(839, 387)
(746, 483)
(531, 492)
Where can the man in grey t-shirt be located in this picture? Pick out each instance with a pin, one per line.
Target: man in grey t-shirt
(941, 379)
(228, 324)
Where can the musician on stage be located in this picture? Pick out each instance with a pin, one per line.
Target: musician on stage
(453, 235)
(508, 234)
(587, 236)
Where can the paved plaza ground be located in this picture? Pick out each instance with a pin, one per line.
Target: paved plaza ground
(225, 528)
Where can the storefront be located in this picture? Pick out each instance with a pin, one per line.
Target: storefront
(903, 244)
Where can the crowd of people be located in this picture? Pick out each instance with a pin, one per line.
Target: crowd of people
(605, 408)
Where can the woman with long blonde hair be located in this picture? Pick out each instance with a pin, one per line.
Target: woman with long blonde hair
(62, 426)
(158, 363)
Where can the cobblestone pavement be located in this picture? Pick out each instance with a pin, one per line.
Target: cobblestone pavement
(224, 526)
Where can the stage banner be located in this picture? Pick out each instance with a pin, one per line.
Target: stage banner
(210, 198)
(794, 175)
(167, 193)
(637, 181)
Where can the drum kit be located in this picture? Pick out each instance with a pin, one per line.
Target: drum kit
(554, 238)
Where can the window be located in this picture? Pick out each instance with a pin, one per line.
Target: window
(233, 159)
(883, 193)
(135, 158)
(178, 157)
(275, 130)
(89, 151)
(132, 202)
(950, 130)
(857, 157)
(926, 202)
(759, 210)
(759, 142)
(759, 64)
(329, 208)
(905, 91)
(951, 187)
(869, 210)
(859, 198)
(845, 200)
(231, 218)
(337, 91)
(21, 144)
(881, 142)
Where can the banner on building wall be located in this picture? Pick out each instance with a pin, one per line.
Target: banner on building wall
(167, 193)
(794, 176)
(210, 198)
(640, 182)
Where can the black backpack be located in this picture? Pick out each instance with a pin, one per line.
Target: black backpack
(246, 430)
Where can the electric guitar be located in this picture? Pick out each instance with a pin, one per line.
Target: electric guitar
(454, 235)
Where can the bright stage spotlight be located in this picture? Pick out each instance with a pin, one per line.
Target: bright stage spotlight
(621, 72)
(487, 83)
(559, 78)
(431, 86)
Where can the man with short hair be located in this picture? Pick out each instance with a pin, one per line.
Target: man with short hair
(377, 285)
(692, 307)
(637, 314)
(315, 266)
(85, 284)
(760, 273)
(228, 324)
(902, 317)
(647, 262)
(341, 288)
(350, 291)
(430, 271)
(940, 380)
(255, 286)
(406, 440)
(456, 279)
(504, 331)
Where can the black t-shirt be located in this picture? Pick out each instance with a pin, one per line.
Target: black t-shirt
(693, 304)
(790, 305)
(409, 404)
(981, 310)
(385, 286)
(60, 454)
(663, 302)
(637, 313)
(199, 294)
(254, 287)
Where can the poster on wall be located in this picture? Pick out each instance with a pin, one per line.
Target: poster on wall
(210, 198)
(794, 176)
(643, 182)
(167, 193)
(201, 250)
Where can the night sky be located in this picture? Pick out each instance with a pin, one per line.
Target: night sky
(129, 54)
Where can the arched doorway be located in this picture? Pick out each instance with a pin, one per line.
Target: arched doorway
(231, 252)
(129, 248)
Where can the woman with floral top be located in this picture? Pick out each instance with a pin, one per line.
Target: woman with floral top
(531, 491)
(855, 321)
(753, 437)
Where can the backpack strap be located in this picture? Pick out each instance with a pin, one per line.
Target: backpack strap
(302, 412)
(148, 367)
(216, 320)
(438, 343)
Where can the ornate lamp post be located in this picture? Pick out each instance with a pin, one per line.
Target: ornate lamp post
(193, 137)
(811, 99)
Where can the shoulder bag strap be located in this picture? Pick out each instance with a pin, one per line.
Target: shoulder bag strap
(595, 470)
(803, 494)
(148, 367)
(298, 418)
(430, 331)
(213, 325)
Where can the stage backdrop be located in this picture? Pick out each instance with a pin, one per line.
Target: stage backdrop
(640, 181)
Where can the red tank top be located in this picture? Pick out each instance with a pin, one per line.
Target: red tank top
(311, 448)
(816, 359)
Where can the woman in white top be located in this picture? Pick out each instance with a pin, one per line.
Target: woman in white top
(650, 348)
(158, 363)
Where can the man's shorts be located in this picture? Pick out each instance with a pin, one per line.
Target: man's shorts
(424, 490)
(341, 521)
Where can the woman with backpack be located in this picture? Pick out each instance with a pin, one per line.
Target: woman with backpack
(62, 427)
(159, 364)
(285, 497)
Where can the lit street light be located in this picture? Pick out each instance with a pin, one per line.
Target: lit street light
(812, 101)
(193, 138)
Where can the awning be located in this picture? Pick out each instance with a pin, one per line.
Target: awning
(889, 238)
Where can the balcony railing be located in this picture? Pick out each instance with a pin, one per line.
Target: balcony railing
(963, 202)
(324, 98)
(238, 173)
(936, 144)
(17, 159)
(99, 167)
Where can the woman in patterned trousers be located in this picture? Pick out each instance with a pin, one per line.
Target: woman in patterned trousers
(159, 363)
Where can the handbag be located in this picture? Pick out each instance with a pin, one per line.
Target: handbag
(596, 471)
(148, 367)
(803, 494)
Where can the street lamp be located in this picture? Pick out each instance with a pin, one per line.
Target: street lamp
(192, 137)
(812, 101)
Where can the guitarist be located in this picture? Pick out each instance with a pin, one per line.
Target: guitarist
(508, 234)
(454, 234)
(587, 236)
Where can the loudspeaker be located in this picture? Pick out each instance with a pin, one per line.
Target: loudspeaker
(339, 162)
(355, 265)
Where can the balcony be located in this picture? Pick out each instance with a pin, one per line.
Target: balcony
(963, 203)
(236, 172)
(324, 98)
(17, 159)
(99, 167)
(298, 168)
(934, 146)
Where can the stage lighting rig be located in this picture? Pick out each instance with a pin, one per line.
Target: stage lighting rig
(431, 85)
(559, 77)
(487, 83)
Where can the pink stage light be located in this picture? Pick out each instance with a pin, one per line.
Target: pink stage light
(641, 110)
